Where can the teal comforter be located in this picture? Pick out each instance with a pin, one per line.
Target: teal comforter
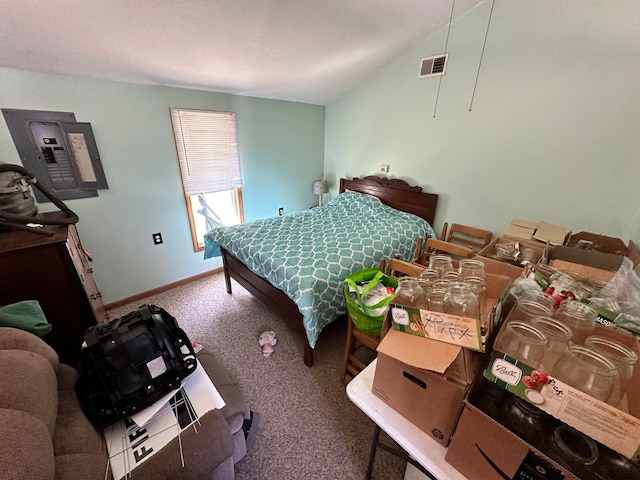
(308, 254)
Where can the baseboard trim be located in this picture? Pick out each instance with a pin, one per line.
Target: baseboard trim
(164, 288)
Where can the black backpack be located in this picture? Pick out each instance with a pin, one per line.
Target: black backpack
(130, 362)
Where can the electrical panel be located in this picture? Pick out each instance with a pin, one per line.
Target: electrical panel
(59, 151)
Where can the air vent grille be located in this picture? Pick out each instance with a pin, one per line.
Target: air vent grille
(431, 66)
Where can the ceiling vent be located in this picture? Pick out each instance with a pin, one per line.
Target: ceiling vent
(432, 66)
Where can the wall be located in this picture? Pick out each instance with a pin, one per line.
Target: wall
(551, 134)
(281, 150)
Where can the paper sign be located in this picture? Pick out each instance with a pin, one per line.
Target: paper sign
(461, 331)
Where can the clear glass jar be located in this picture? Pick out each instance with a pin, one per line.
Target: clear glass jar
(587, 370)
(540, 297)
(563, 284)
(435, 295)
(441, 264)
(522, 341)
(451, 275)
(424, 285)
(506, 251)
(409, 293)
(470, 267)
(525, 310)
(622, 356)
(429, 274)
(613, 466)
(572, 449)
(558, 336)
(579, 317)
(480, 289)
(461, 300)
(545, 270)
(489, 398)
(524, 419)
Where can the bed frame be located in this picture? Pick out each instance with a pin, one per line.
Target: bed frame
(393, 192)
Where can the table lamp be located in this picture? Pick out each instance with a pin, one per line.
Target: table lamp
(320, 187)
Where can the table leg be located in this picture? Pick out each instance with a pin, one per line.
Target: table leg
(372, 453)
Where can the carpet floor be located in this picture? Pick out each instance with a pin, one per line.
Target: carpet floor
(307, 428)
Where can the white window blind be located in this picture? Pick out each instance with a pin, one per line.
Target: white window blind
(207, 145)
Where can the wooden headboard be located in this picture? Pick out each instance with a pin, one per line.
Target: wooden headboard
(396, 193)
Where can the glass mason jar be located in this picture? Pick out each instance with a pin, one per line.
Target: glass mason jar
(623, 358)
(506, 251)
(538, 296)
(587, 370)
(424, 285)
(429, 274)
(579, 317)
(441, 264)
(461, 300)
(409, 293)
(558, 335)
(522, 341)
(562, 284)
(469, 267)
(613, 466)
(545, 270)
(480, 289)
(524, 419)
(526, 309)
(451, 275)
(572, 449)
(435, 295)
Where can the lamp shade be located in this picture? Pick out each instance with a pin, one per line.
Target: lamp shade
(320, 187)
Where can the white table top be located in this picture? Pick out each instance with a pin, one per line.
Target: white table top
(414, 441)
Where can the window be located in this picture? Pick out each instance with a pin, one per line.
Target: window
(207, 145)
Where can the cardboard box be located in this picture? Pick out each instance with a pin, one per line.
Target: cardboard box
(461, 331)
(493, 441)
(542, 232)
(583, 270)
(483, 449)
(591, 258)
(426, 380)
(597, 242)
(412, 383)
(499, 267)
(521, 229)
(552, 234)
(617, 428)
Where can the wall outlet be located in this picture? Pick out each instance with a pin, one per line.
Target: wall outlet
(281, 211)
(157, 238)
(384, 168)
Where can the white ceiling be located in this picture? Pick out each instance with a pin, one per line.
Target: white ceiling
(309, 51)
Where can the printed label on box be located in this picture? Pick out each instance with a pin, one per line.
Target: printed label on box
(461, 331)
(604, 423)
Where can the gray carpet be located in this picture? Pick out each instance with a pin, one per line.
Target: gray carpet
(307, 428)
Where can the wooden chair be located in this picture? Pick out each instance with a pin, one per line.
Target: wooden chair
(471, 237)
(360, 349)
(434, 246)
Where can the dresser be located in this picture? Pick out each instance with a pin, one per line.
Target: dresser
(56, 271)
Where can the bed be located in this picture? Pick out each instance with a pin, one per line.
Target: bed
(324, 245)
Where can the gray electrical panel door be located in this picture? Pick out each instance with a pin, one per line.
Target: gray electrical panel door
(60, 152)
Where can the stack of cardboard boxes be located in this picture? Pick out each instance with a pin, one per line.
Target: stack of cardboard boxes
(462, 394)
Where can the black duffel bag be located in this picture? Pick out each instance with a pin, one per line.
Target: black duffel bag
(130, 362)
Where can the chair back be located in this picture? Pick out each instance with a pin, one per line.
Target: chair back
(471, 237)
(434, 246)
(399, 268)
